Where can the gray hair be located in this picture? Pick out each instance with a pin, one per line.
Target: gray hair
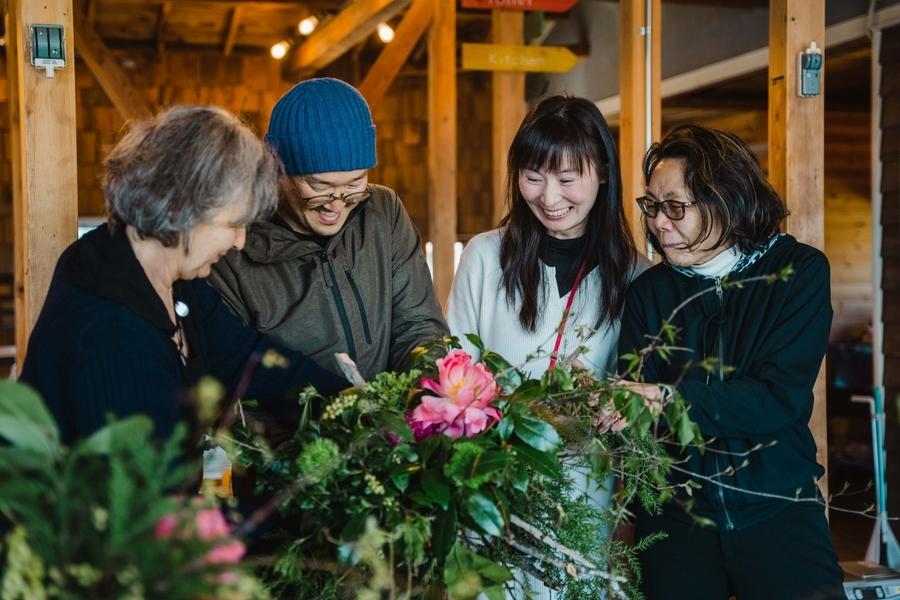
(183, 166)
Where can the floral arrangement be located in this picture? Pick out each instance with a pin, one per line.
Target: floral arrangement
(457, 478)
(108, 517)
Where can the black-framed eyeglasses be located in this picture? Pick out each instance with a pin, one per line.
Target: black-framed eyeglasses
(673, 209)
(351, 199)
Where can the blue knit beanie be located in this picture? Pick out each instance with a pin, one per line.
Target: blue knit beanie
(321, 126)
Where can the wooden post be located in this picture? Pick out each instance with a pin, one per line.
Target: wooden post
(797, 142)
(634, 100)
(45, 177)
(508, 102)
(442, 144)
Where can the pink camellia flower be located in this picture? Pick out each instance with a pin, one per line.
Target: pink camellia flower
(461, 404)
(225, 554)
(166, 526)
(211, 524)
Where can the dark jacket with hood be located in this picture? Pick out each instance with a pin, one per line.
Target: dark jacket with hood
(774, 336)
(367, 292)
(102, 344)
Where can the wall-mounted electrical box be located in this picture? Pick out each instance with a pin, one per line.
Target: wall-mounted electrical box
(48, 47)
(809, 71)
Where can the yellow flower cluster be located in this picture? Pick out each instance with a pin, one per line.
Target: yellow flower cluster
(373, 485)
(342, 403)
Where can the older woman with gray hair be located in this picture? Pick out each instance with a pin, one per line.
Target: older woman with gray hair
(129, 322)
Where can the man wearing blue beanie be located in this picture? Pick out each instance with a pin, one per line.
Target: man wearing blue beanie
(339, 268)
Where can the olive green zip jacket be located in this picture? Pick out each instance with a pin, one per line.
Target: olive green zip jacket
(368, 292)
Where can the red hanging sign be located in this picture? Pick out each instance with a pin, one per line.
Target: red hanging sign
(551, 6)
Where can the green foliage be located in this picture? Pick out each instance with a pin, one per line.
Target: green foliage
(84, 517)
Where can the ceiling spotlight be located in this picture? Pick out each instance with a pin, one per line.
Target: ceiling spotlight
(307, 25)
(279, 50)
(385, 32)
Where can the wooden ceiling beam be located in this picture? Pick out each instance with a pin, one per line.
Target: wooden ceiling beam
(351, 26)
(233, 26)
(388, 64)
(111, 77)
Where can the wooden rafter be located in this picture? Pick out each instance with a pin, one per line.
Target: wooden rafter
(351, 26)
(111, 77)
(380, 77)
(164, 10)
(233, 25)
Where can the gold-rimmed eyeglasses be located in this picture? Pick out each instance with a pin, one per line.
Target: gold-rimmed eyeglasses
(673, 209)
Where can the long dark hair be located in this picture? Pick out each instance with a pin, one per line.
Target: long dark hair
(727, 183)
(565, 130)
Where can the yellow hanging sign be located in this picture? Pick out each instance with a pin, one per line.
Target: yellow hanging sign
(510, 57)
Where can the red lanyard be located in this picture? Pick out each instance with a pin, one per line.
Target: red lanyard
(565, 317)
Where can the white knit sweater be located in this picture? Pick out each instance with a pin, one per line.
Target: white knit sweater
(478, 305)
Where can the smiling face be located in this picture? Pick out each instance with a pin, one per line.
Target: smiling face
(325, 220)
(210, 241)
(561, 200)
(676, 237)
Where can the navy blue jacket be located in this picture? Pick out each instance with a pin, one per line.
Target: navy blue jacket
(103, 344)
(774, 336)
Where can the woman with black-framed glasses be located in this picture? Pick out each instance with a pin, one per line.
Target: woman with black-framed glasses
(713, 217)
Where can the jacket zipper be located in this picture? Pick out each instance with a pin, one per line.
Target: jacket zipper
(720, 294)
(342, 311)
(359, 304)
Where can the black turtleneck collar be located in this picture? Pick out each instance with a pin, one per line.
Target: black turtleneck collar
(104, 264)
(565, 257)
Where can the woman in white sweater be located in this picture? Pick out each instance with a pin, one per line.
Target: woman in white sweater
(564, 239)
(563, 243)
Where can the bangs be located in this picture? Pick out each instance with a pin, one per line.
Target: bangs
(555, 144)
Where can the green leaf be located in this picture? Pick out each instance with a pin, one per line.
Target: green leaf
(443, 531)
(543, 462)
(519, 478)
(485, 513)
(355, 527)
(18, 460)
(25, 421)
(462, 564)
(394, 423)
(129, 430)
(495, 592)
(562, 378)
(529, 390)
(685, 430)
(430, 445)
(421, 499)
(505, 428)
(475, 341)
(537, 434)
(490, 462)
(401, 480)
(437, 488)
